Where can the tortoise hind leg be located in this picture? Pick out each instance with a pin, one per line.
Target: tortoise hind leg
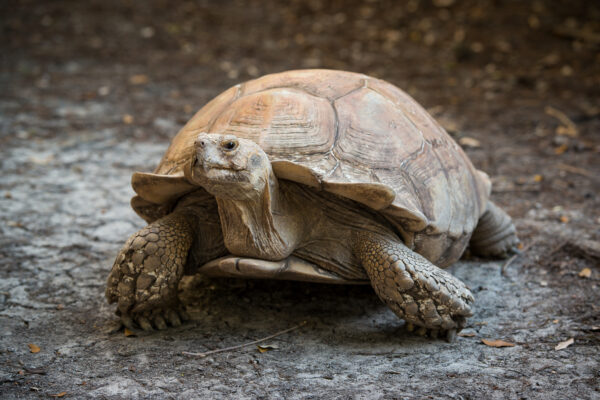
(495, 234)
(412, 287)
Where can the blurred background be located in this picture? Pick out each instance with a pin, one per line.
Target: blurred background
(94, 90)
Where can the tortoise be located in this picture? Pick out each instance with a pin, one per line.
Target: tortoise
(311, 175)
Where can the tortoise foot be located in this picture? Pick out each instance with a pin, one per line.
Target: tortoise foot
(145, 276)
(158, 318)
(415, 289)
(495, 235)
(448, 334)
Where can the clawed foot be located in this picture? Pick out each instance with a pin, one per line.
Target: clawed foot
(502, 249)
(159, 318)
(145, 276)
(495, 235)
(448, 334)
(415, 289)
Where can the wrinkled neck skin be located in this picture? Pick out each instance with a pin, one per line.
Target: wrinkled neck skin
(262, 224)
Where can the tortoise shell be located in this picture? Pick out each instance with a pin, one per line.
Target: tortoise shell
(348, 134)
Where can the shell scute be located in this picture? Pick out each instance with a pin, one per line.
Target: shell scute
(327, 84)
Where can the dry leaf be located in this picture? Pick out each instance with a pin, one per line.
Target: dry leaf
(574, 170)
(585, 273)
(266, 347)
(61, 394)
(561, 149)
(127, 119)
(469, 142)
(128, 333)
(538, 178)
(33, 348)
(564, 219)
(565, 344)
(139, 79)
(567, 131)
(497, 343)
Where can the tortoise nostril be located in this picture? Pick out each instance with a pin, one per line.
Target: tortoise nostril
(201, 143)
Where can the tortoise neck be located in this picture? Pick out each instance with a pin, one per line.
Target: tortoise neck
(262, 226)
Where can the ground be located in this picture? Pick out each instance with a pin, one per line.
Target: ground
(92, 91)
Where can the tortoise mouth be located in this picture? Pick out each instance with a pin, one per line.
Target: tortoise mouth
(219, 174)
(205, 173)
(226, 183)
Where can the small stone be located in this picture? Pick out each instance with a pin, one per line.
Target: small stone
(104, 91)
(147, 32)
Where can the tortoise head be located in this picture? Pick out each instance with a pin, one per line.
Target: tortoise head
(229, 167)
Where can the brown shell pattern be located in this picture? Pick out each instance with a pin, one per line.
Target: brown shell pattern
(349, 128)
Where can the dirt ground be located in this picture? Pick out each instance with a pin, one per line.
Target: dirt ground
(92, 91)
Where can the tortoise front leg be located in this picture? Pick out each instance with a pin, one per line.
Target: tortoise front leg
(146, 273)
(415, 289)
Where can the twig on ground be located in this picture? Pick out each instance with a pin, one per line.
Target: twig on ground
(579, 34)
(575, 170)
(517, 190)
(207, 353)
(557, 248)
(589, 249)
(568, 127)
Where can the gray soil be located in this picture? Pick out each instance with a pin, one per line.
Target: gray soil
(92, 91)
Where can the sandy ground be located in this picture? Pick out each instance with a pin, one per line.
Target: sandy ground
(92, 91)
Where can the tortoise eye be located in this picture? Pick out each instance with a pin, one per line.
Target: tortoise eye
(229, 144)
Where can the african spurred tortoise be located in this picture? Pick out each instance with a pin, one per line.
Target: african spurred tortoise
(313, 175)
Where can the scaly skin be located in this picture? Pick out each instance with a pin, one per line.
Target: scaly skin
(415, 289)
(495, 235)
(145, 276)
